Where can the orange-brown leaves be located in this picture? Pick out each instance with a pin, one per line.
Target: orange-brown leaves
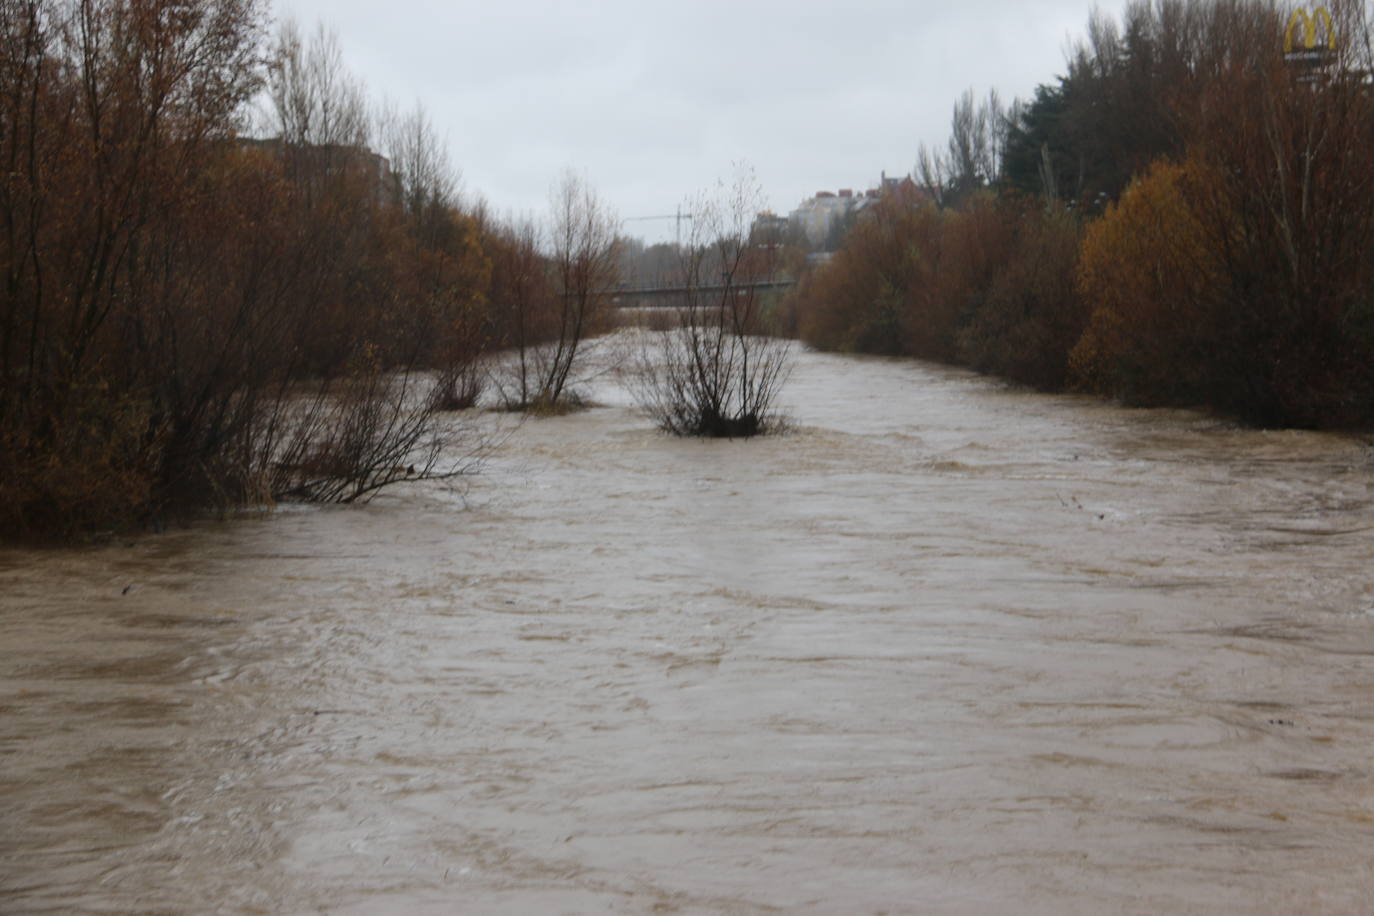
(1152, 282)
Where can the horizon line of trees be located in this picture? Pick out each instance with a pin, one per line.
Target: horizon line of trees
(1185, 217)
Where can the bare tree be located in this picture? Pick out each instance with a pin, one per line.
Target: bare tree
(932, 173)
(583, 265)
(520, 291)
(998, 119)
(315, 100)
(439, 323)
(716, 375)
(974, 152)
(405, 350)
(425, 176)
(968, 140)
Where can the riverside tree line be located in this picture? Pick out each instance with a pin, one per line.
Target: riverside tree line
(193, 318)
(231, 278)
(216, 293)
(1186, 217)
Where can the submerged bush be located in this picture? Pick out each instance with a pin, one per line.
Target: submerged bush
(716, 375)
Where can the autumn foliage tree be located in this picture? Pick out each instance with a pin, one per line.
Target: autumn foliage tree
(1029, 315)
(442, 271)
(863, 300)
(191, 318)
(1241, 278)
(1155, 286)
(113, 115)
(1224, 200)
(1286, 203)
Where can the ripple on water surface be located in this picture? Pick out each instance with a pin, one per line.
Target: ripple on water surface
(945, 646)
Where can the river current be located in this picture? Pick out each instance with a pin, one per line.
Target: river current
(944, 647)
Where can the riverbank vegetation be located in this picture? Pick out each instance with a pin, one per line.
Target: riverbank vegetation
(1186, 217)
(555, 301)
(230, 278)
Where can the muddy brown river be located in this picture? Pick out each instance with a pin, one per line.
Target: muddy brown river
(946, 647)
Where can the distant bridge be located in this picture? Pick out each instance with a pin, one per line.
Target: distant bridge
(664, 292)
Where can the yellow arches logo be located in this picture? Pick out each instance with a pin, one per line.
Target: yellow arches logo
(1309, 24)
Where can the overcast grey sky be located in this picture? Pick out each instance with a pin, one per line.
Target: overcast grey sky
(655, 100)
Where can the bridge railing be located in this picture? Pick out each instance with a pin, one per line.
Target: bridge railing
(658, 292)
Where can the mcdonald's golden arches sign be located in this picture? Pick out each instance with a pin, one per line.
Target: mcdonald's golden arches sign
(1320, 17)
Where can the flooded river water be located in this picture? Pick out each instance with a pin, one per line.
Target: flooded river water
(945, 647)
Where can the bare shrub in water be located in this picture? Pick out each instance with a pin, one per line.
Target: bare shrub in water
(717, 374)
(345, 442)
